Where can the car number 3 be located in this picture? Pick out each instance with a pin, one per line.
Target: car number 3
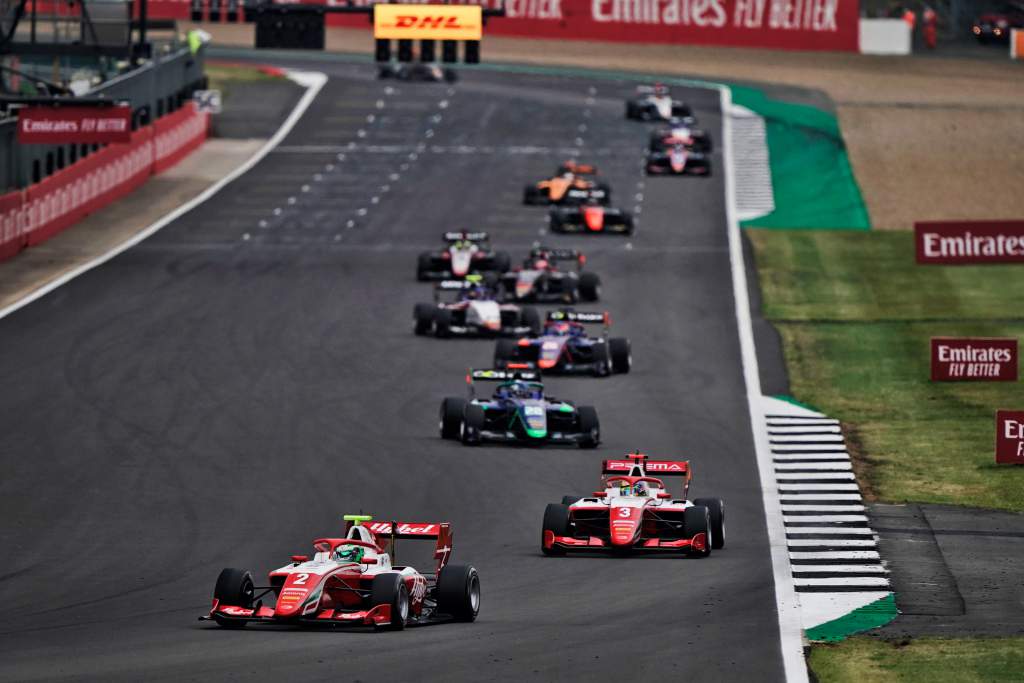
(623, 512)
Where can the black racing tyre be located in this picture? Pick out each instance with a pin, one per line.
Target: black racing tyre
(423, 264)
(570, 290)
(458, 592)
(606, 200)
(505, 351)
(630, 110)
(534, 195)
(423, 318)
(450, 422)
(630, 227)
(555, 222)
(621, 354)
(390, 589)
(716, 514)
(602, 360)
(450, 76)
(556, 520)
(589, 286)
(531, 318)
(471, 426)
(442, 322)
(235, 588)
(502, 261)
(589, 426)
(697, 520)
(569, 500)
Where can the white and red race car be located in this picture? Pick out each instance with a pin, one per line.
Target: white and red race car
(634, 512)
(352, 581)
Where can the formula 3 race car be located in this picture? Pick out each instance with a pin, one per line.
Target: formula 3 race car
(423, 72)
(678, 160)
(474, 312)
(633, 512)
(590, 218)
(464, 253)
(564, 347)
(677, 133)
(655, 103)
(518, 412)
(352, 581)
(568, 186)
(540, 279)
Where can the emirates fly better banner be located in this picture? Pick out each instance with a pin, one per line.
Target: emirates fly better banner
(789, 24)
(78, 125)
(973, 359)
(963, 242)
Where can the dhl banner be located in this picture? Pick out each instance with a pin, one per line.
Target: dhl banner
(428, 22)
(784, 24)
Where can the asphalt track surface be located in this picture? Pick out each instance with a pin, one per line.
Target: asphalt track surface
(222, 393)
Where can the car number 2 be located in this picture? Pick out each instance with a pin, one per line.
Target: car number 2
(300, 579)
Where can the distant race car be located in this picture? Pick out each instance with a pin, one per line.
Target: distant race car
(633, 512)
(678, 160)
(418, 71)
(463, 253)
(350, 581)
(996, 26)
(678, 133)
(564, 347)
(540, 279)
(655, 103)
(590, 218)
(474, 312)
(518, 412)
(568, 186)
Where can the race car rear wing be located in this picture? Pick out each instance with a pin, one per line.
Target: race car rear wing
(415, 531)
(638, 465)
(470, 282)
(470, 236)
(559, 254)
(499, 376)
(584, 317)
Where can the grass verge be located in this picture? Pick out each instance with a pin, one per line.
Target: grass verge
(222, 75)
(929, 660)
(856, 315)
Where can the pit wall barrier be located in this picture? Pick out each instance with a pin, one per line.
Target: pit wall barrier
(885, 37)
(778, 24)
(31, 216)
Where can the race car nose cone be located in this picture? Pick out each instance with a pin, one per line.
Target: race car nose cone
(593, 216)
(625, 525)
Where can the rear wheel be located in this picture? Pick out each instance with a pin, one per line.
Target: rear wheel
(235, 588)
(502, 262)
(534, 195)
(505, 352)
(606, 199)
(555, 222)
(442, 322)
(452, 410)
(590, 427)
(697, 520)
(471, 426)
(629, 227)
(423, 318)
(602, 361)
(531, 319)
(390, 589)
(716, 515)
(621, 354)
(458, 592)
(556, 520)
(589, 286)
(423, 264)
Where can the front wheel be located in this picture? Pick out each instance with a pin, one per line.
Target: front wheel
(390, 589)
(234, 588)
(556, 520)
(716, 516)
(531, 319)
(452, 410)
(621, 354)
(589, 286)
(697, 520)
(589, 427)
(423, 318)
(505, 351)
(458, 592)
(471, 426)
(443, 323)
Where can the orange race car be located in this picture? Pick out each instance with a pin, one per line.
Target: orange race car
(568, 186)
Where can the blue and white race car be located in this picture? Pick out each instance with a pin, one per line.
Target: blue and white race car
(564, 347)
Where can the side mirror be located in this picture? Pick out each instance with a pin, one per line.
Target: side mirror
(664, 496)
(300, 558)
(600, 494)
(369, 560)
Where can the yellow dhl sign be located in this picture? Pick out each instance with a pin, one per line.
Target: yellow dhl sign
(428, 22)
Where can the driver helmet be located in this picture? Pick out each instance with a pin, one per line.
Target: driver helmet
(624, 488)
(640, 489)
(559, 328)
(541, 264)
(349, 553)
(660, 89)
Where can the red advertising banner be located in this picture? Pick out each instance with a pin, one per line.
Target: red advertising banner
(1010, 437)
(972, 359)
(80, 125)
(964, 242)
(786, 24)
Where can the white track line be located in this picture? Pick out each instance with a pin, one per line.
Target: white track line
(786, 600)
(311, 80)
(834, 555)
